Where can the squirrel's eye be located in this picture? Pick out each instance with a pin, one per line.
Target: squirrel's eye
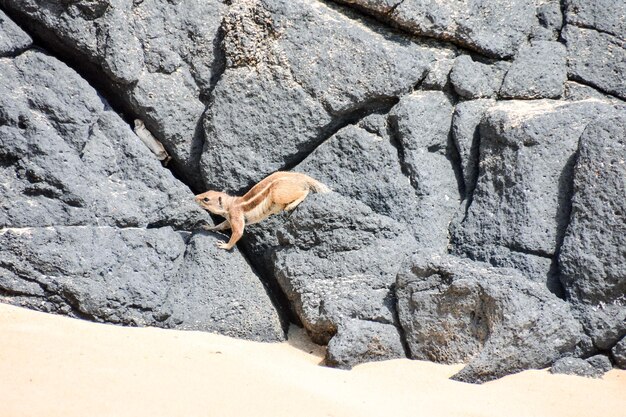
(206, 199)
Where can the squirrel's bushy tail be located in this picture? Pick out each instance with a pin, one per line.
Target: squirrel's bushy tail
(317, 186)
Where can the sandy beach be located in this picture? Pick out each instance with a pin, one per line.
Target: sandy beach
(56, 366)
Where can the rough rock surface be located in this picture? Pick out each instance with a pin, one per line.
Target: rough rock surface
(358, 341)
(465, 122)
(592, 258)
(336, 260)
(493, 27)
(538, 71)
(158, 58)
(13, 40)
(521, 201)
(619, 353)
(395, 104)
(474, 79)
(596, 58)
(87, 223)
(268, 113)
(420, 124)
(454, 310)
(576, 366)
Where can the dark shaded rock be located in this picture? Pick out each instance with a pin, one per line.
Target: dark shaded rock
(465, 122)
(600, 362)
(521, 199)
(618, 353)
(592, 258)
(455, 310)
(358, 341)
(86, 228)
(420, 123)
(539, 70)
(269, 112)
(596, 58)
(602, 15)
(69, 160)
(217, 291)
(13, 40)
(78, 271)
(575, 366)
(158, 58)
(473, 79)
(495, 28)
(363, 166)
(335, 259)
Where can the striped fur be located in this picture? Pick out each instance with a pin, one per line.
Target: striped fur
(277, 192)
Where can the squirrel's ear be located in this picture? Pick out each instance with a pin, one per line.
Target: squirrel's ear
(219, 199)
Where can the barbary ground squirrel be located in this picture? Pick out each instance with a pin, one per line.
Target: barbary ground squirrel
(277, 192)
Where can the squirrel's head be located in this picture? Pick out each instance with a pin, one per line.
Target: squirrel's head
(213, 201)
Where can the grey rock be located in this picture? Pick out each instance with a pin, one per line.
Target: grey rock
(158, 58)
(163, 281)
(295, 87)
(87, 226)
(521, 199)
(69, 160)
(575, 366)
(465, 121)
(335, 259)
(472, 79)
(592, 257)
(364, 166)
(359, 341)
(539, 70)
(438, 78)
(454, 310)
(421, 125)
(602, 15)
(13, 40)
(550, 21)
(495, 28)
(217, 291)
(576, 92)
(618, 353)
(79, 273)
(600, 362)
(596, 58)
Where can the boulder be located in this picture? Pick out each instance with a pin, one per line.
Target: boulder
(13, 40)
(576, 366)
(465, 121)
(539, 70)
(521, 200)
(270, 110)
(602, 15)
(420, 124)
(618, 353)
(336, 260)
(474, 79)
(93, 226)
(596, 58)
(494, 28)
(360, 341)
(592, 257)
(455, 310)
(157, 59)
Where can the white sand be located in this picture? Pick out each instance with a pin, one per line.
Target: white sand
(55, 366)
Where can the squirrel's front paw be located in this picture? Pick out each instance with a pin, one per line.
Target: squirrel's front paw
(208, 228)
